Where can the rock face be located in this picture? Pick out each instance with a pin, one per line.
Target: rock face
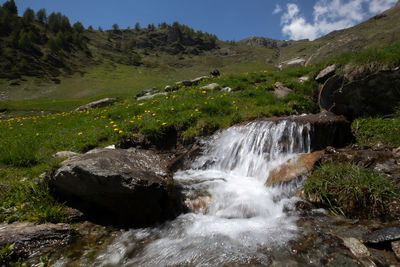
(294, 168)
(281, 91)
(377, 93)
(99, 103)
(30, 239)
(326, 73)
(127, 186)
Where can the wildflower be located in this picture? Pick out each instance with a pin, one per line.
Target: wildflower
(172, 109)
(133, 134)
(131, 121)
(203, 92)
(114, 125)
(233, 102)
(80, 133)
(197, 110)
(120, 131)
(154, 114)
(111, 122)
(115, 129)
(164, 123)
(37, 134)
(206, 102)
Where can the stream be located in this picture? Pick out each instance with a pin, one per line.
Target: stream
(235, 219)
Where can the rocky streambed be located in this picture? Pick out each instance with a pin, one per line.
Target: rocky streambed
(209, 204)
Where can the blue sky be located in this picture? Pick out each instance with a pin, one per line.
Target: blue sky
(228, 19)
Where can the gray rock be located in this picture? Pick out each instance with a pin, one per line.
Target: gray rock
(31, 239)
(151, 96)
(326, 73)
(303, 79)
(281, 91)
(211, 86)
(226, 89)
(144, 92)
(126, 186)
(356, 247)
(199, 79)
(99, 103)
(168, 88)
(383, 235)
(65, 154)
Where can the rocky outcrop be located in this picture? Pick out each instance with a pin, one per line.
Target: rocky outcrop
(294, 168)
(327, 129)
(281, 91)
(34, 240)
(375, 94)
(96, 104)
(126, 186)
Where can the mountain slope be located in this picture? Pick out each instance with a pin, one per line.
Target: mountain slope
(380, 30)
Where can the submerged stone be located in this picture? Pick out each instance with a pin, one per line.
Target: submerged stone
(383, 235)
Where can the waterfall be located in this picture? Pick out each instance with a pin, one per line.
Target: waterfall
(235, 219)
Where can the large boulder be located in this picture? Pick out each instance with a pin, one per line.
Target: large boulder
(34, 240)
(99, 103)
(121, 186)
(378, 93)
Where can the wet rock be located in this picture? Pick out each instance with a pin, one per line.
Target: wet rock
(326, 73)
(99, 103)
(374, 94)
(396, 249)
(211, 86)
(35, 240)
(151, 96)
(294, 168)
(127, 186)
(356, 247)
(65, 154)
(383, 235)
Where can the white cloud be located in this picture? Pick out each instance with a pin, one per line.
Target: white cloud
(378, 6)
(277, 9)
(329, 15)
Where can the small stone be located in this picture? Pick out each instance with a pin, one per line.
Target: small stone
(356, 247)
(168, 88)
(281, 91)
(99, 103)
(396, 249)
(211, 86)
(65, 154)
(226, 89)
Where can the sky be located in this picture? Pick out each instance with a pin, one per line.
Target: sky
(228, 19)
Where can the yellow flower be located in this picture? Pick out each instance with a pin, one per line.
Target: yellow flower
(197, 110)
(164, 123)
(120, 131)
(131, 121)
(115, 129)
(114, 125)
(133, 134)
(206, 102)
(37, 134)
(203, 92)
(172, 109)
(111, 122)
(80, 133)
(154, 114)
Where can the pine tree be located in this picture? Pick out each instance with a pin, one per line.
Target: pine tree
(29, 16)
(10, 7)
(41, 15)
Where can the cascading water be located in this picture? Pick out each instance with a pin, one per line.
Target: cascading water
(238, 220)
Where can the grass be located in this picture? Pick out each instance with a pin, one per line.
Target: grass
(378, 130)
(350, 190)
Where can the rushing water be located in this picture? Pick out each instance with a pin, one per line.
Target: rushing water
(235, 219)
